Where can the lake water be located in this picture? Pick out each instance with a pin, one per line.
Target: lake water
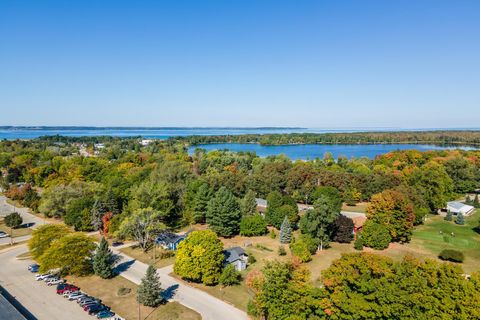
(312, 151)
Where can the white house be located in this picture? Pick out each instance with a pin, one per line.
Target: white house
(237, 257)
(455, 207)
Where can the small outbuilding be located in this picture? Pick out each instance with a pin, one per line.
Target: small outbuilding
(456, 207)
(237, 257)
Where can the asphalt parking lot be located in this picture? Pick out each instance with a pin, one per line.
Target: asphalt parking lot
(40, 299)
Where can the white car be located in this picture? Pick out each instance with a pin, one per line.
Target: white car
(50, 278)
(75, 296)
(54, 282)
(44, 276)
(3, 234)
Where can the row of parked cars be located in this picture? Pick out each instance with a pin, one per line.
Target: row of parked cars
(89, 304)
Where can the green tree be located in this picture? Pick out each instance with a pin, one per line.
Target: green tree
(476, 202)
(279, 206)
(141, 225)
(449, 216)
(300, 249)
(230, 276)
(72, 254)
(104, 260)
(253, 225)
(200, 203)
(331, 193)
(285, 231)
(13, 220)
(317, 222)
(43, 237)
(284, 291)
(248, 205)
(149, 291)
(200, 257)
(375, 235)
(460, 220)
(223, 214)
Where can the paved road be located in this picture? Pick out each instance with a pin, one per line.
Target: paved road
(6, 208)
(209, 307)
(38, 298)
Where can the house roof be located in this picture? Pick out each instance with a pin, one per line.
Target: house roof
(459, 206)
(169, 237)
(261, 202)
(234, 254)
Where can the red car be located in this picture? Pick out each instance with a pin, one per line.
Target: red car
(70, 288)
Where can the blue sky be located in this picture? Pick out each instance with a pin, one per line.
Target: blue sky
(240, 63)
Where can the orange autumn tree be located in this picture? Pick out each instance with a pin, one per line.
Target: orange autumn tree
(106, 219)
(392, 209)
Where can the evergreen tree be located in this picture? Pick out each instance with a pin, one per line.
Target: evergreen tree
(476, 202)
(200, 203)
(97, 213)
(104, 261)
(449, 216)
(285, 231)
(149, 291)
(460, 219)
(468, 200)
(223, 214)
(248, 205)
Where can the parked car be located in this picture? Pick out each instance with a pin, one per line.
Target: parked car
(116, 243)
(89, 304)
(105, 314)
(33, 266)
(52, 283)
(75, 295)
(86, 300)
(44, 276)
(51, 279)
(68, 288)
(3, 234)
(99, 308)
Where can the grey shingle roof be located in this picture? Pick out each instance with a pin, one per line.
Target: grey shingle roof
(233, 254)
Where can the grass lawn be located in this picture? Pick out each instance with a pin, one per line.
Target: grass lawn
(437, 234)
(19, 232)
(359, 207)
(147, 257)
(126, 305)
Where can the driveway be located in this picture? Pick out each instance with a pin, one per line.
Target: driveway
(209, 307)
(6, 209)
(38, 298)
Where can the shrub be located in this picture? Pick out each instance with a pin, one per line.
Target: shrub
(251, 226)
(375, 235)
(449, 216)
(262, 247)
(460, 219)
(230, 276)
(451, 255)
(165, 254)
(282, 251)
(251, 259)
(358, 244)
(123, 291)
(273, 235)
(300, 249)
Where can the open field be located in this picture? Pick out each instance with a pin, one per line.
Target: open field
(359, 207)
(126, 305)
(147, 257)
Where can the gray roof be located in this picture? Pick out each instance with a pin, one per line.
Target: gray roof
(167, 238)
(456, 205)
(234, 254)
(8, 311)
(261, 202)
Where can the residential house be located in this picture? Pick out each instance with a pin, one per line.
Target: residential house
(169, 240)
(237, 257)
(456, 207)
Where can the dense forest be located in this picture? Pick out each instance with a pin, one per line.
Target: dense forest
(467, 138)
